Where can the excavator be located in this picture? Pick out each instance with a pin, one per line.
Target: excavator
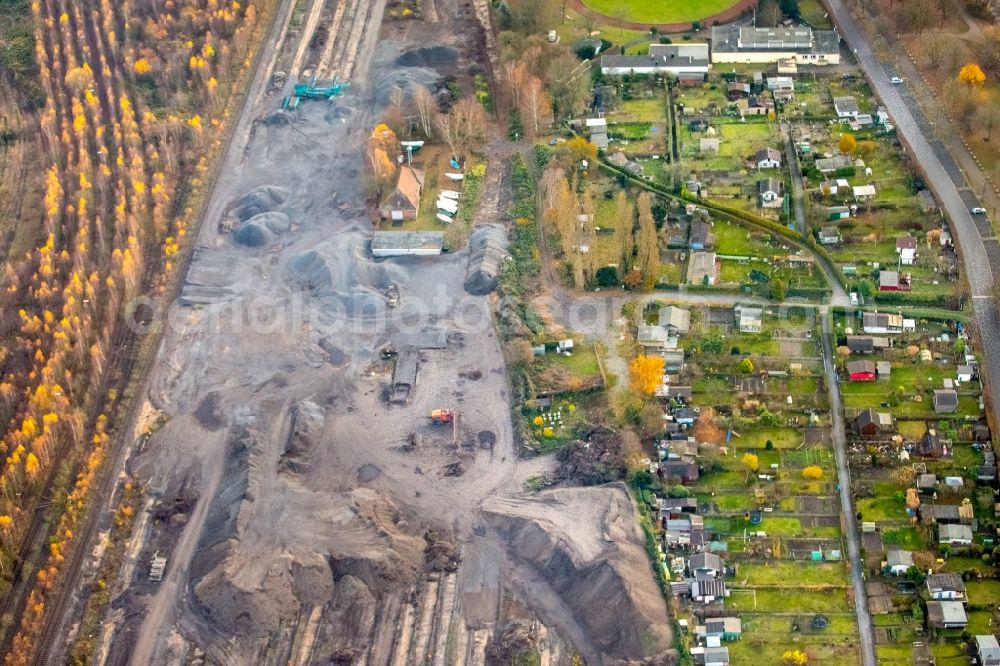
(442, 417)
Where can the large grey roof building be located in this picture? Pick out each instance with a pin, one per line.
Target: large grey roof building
(744, 44)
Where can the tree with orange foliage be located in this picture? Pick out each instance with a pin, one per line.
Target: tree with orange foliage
(646, 373)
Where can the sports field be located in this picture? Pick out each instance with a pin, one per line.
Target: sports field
(659, 11)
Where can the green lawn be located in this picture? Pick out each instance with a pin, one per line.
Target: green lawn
(778, 600)
(659, 11)
(793, 574)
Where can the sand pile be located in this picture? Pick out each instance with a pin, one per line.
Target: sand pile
(587, 544)
(487, 252)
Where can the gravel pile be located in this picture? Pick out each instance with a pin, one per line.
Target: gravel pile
(487, 252)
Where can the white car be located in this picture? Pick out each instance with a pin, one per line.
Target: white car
(977, 211)
(895, 79)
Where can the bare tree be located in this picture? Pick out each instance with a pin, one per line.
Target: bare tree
(943, 7)
(519, 76)
(989, 49)
(535, 108)
(988, 117)
(768, 13)
(568, 83)
(466, 122)
(426, 107)
(395, 115)
(917, 15)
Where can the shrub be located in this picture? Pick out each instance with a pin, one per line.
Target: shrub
(812, 472)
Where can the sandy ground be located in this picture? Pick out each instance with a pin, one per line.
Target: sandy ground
(294, 502)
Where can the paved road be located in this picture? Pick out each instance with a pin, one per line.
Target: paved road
(865, 630)
(967, 238)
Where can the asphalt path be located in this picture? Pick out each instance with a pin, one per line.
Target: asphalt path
(866, 632)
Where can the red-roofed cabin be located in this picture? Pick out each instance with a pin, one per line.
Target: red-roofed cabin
(861, 371)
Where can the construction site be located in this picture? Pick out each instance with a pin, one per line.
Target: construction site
(325, 438)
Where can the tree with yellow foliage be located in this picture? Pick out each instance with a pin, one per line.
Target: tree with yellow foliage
(972, 75)
(813, 472)
(646, 373)
(795, 658)
(848, 144)
(750, 461)
(382, 146)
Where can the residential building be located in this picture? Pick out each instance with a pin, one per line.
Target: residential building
(888, 281)
(866, 344)
(898, 562)
(882, 323)
(940, 514)
(708, 590)
(871, 423)
(748, 318)
(946, 587)
(780, 83)
(677, 320)
(765, 158)
(988, 650)
(830, 164)
(927, 202)
(673, 360)
(955, 535)
(769, 190)
(404, 200)
(906, 248)
(600, 139)
(864, 192)
(706, 564)
(946, 615)
(734, 43)
(931, 445)
(846, 107)
(702, 268)
(675, 59)
(700, 236)
(687, 472)
(834, 213)
(654, 337)
(737, 90)
(927, 483)
(945, 401)
(710, 656)
(861, 371)
(723, 628)
(684, 416)
(674, 506)
(828, 236)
